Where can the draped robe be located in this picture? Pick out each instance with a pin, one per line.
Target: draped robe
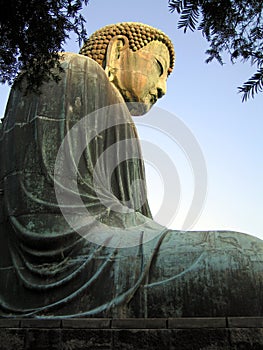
(103, 255)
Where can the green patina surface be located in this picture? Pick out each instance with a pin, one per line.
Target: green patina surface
(52, 267)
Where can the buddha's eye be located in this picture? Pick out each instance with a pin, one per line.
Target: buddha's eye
(160, 67)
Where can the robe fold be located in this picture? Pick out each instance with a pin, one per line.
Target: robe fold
(77, 237)
(47, 264)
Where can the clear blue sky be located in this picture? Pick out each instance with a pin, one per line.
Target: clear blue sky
(204, 96)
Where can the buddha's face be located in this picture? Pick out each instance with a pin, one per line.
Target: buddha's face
(141, 76)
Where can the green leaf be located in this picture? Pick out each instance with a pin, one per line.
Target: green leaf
(253, 86)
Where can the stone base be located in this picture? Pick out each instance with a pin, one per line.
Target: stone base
(128, 334)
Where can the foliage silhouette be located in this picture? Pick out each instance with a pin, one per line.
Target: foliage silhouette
(234, 27)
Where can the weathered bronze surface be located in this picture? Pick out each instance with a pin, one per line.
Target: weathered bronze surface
(47, 268)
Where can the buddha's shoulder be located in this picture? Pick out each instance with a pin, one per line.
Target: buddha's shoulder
(69, 59)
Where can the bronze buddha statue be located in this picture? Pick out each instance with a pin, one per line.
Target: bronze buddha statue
(61, 258)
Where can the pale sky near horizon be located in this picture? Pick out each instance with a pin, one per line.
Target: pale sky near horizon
(204, 96)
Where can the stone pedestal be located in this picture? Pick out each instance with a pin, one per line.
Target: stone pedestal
(127, 334)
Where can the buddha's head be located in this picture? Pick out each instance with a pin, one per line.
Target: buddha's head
(137, 59)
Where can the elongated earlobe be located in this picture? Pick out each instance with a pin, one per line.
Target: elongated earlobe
(110, 73)
(114, 51)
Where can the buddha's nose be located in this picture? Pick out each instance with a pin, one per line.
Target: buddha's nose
(160, 93)
(161, 88)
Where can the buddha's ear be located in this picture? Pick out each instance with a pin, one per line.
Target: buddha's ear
(115, 49)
